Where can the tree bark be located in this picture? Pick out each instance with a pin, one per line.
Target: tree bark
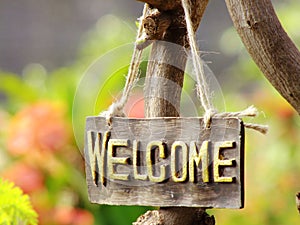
(164, 5)
(163, 86)
(268, 44)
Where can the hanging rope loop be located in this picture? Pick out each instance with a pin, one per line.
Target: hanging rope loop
(117, 108)
(202, 86)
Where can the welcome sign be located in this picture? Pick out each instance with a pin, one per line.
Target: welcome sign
(165, 162)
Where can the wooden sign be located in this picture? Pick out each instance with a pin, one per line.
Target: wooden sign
(165, 162)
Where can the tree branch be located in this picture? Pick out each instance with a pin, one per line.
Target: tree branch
(269, 45)
(165, 72)
(176, 216)
(163, 86)
(163, 5)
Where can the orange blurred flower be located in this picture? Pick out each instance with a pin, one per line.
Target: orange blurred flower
(41, 126)
(72, 216)
(28, 178)
(273, 103)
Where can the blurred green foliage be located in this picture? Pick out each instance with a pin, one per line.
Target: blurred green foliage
(56, 103)
(35, 99)
(15, 207)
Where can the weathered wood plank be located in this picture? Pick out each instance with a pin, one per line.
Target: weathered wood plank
(165, 162)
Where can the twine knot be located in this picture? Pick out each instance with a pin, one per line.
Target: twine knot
(208, 115)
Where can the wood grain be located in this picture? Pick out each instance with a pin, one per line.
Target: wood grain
(169, 193)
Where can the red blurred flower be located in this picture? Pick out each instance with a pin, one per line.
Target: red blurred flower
(28, 178)
(40, 126)
(135, 106)
(274, 104)
(73, 216)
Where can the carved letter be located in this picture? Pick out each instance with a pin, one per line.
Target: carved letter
(222, 162)
(196, 157)
(175, 171)
(111, 159)
(136, 158)
(97, 155)
(150, 161)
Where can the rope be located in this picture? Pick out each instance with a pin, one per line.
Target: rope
(202, 86)
(117, 108)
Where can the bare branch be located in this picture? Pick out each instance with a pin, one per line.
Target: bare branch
(164, 5)
(268, 44)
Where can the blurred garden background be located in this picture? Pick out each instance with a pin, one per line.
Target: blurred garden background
(47, 51)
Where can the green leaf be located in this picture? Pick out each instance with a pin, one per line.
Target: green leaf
(15, 207)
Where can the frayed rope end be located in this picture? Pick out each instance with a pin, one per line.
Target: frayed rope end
(264, 129)
(251, 111)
